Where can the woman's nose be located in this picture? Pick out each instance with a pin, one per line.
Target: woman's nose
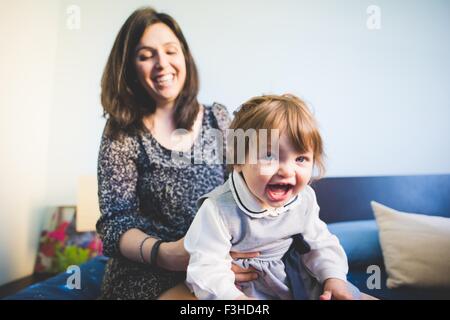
(162, 61)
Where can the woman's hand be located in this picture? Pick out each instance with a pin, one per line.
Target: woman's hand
(172, 256)
(241, 274)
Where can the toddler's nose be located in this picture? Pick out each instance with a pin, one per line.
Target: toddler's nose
(285, 169)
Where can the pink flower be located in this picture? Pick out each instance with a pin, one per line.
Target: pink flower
(60, 233)
(96, 245)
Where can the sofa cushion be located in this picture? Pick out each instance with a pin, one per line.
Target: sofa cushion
(360, 242)
(415, 247)
(358, 277)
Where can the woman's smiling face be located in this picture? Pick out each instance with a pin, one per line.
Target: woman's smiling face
(160, 63)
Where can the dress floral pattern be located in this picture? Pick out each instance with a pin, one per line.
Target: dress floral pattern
(141, 185)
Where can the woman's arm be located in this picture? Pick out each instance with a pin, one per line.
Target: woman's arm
(117, 192)
(171, 255)
(121, 225)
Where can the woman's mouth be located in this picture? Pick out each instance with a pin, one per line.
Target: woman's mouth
(165, 80)
(279, 191)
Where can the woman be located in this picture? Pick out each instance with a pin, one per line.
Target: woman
(148, 200)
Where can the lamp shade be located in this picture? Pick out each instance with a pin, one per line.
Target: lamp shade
(88, 210)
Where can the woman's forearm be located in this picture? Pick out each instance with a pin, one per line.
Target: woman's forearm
(171, 255)
(130, 245)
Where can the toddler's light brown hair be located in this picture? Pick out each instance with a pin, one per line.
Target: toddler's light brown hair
(287, 113)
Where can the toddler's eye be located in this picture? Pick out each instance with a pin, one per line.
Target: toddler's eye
(268, 157)
(302, 159)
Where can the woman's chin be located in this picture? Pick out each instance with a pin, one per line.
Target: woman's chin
(166, 97)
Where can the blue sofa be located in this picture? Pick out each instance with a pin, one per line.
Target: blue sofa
(345, 206)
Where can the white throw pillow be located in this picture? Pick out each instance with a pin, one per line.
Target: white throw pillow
(416, 248)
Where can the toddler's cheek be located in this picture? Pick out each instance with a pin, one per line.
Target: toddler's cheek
(267, 170)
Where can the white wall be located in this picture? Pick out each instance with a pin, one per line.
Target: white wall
(28, 33)
(381, 96)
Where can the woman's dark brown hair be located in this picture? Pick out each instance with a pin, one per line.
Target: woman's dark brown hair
(125, 101)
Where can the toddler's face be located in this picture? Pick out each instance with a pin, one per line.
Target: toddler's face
(274, 180)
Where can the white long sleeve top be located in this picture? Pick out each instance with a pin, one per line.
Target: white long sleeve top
(231, 219)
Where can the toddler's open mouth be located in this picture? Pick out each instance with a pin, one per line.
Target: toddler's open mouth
(279, 191)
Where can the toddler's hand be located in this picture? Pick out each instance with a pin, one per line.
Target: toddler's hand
(336, 289)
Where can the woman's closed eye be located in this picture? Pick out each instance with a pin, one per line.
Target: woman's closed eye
(171, 52)
(144, 54)
(150, 55)
(144, 57)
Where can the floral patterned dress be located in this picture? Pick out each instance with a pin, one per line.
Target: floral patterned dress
(141, 185)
